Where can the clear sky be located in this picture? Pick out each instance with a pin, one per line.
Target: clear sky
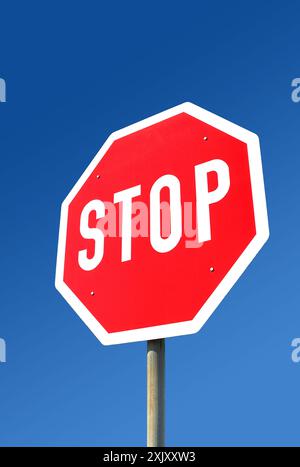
(75, 72)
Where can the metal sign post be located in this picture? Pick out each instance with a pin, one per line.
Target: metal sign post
(156, 393)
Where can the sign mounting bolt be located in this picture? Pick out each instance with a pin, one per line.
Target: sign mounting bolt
(212, 269)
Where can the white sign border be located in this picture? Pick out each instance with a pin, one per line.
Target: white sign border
(261, 222)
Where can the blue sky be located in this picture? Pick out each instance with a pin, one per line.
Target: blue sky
(75, 72)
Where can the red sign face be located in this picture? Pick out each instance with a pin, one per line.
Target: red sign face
(161, 225)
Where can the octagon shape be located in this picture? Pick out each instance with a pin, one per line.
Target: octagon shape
(155, 294)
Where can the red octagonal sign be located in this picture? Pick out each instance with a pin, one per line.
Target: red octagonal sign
(160, 226)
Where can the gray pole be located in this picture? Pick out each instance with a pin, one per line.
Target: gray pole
(156, 393)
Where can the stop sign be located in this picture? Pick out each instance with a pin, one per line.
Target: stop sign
(161, 224)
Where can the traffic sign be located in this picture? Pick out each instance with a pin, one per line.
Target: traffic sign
(161, 225)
